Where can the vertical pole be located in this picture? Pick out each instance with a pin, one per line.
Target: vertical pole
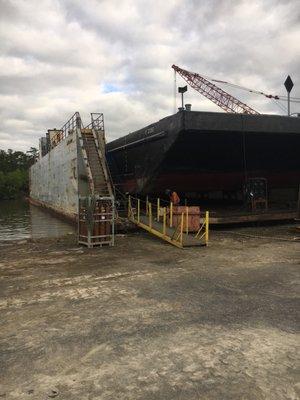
(158, 209)
(164, 221)
(206, 227)
(181, 228)
(129, 206)
(147, 202)
(150, 215)
(182, 100)
(171, 214)
(138, 209)
(289, 104)
(187, 221)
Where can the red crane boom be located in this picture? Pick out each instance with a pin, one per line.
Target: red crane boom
(214, 93)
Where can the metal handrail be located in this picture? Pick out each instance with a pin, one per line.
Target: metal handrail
(69, 127)
(180, 230)
(97, 122)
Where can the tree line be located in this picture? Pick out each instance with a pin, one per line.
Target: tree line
(14, 177)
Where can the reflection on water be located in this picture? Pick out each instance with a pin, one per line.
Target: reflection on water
(20, 220)
(14, 220)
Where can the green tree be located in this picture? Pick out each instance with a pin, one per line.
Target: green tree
(14, 167)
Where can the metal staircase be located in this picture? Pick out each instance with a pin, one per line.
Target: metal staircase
(96, 212)
(99, 178)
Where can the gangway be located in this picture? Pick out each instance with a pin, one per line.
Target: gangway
(158, 221)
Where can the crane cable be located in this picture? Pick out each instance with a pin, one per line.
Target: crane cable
(270, 96)
(281, 106)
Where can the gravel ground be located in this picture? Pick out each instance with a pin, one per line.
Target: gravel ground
(145, 320)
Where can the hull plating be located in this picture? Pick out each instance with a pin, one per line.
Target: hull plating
(207, 152)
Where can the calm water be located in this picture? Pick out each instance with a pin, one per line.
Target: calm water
(20, 220)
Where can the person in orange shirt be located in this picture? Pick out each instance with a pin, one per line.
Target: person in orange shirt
(174, 198)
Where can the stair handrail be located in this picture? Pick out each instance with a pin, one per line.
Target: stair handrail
(69, 127)
(204, 229)
(96, 123)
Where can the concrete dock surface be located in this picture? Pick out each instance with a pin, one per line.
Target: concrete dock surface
(145, 320)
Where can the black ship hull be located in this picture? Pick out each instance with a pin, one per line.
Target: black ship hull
(208, 154)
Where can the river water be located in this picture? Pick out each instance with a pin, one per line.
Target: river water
(21, 220)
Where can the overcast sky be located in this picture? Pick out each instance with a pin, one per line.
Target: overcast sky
(115, 57)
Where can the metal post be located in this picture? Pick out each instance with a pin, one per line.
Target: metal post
(289, 84)
(158, 208)
(187, 221)
(182, 90)
(164, 221)
(138, 209)
(206, 227)
(181, 228)
(129, 206)
(147, 202)
(171, 214)
(150, 215)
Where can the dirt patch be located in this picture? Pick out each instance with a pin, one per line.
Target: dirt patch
(144, 320)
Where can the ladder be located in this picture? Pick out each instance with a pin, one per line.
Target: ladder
(97, 210)
(99, 179)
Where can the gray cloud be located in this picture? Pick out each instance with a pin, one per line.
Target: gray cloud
(60, 56)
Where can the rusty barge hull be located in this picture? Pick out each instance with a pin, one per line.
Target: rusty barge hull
(209, 155)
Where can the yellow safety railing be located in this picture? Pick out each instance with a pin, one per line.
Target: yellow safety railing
(203, 231)
(171, 214)
(150, 219)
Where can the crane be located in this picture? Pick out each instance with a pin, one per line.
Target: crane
(217, 95)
